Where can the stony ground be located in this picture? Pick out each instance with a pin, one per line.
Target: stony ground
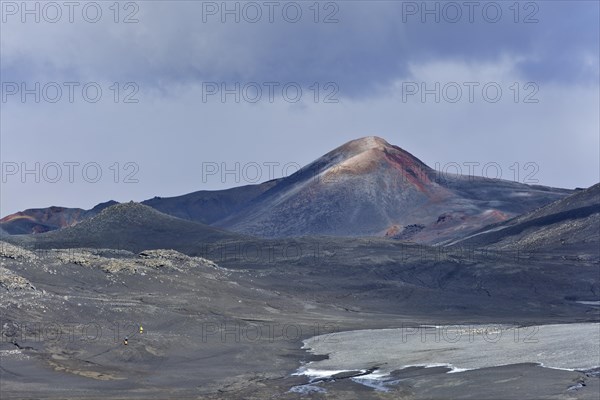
(233, 327)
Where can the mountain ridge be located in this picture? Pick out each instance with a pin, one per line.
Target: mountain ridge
(365, 187)
(134, 227)
(568, 225)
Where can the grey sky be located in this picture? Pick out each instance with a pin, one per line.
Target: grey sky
(368, 61)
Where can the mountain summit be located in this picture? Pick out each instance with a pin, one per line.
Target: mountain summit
(134, 226)
(367, 155)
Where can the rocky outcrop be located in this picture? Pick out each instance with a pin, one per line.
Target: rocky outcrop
(11, 281)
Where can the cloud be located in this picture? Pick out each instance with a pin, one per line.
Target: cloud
(370, 45)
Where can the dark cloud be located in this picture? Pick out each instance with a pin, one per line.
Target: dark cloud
(372, 44)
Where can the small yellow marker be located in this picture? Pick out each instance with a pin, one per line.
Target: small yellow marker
(141, 329)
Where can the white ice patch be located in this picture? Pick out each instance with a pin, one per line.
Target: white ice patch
(373, 375)
(321, 374)
(558, 368)
(459, 348)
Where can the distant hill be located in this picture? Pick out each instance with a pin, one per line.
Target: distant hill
(204, 206)
(570, 225)
(39, 220)
(208, 206)
(134, 227)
